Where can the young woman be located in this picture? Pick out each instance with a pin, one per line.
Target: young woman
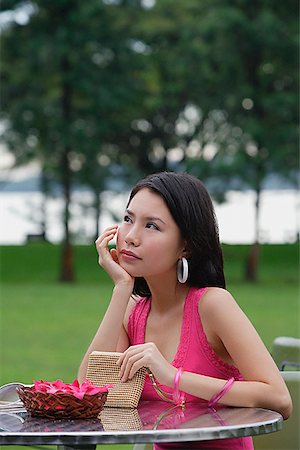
(181, 323)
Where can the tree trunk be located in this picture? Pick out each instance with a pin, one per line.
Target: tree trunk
(253, 255)
(252, 263)
(67, 264)
(67, 267)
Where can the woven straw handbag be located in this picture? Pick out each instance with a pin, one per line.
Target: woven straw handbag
(102, 369)
(120, 419)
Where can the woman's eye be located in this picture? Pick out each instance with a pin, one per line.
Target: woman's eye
(127, 219)
(152, 226)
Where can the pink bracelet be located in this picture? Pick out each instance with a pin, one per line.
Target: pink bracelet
(178, 396)
(215, 398)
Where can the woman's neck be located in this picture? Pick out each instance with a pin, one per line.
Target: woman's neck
(166, 294)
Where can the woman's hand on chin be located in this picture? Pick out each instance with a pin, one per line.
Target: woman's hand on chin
(108, 259)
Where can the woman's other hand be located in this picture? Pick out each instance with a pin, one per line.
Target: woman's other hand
(146, 355)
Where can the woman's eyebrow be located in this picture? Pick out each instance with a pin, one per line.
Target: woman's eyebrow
(131, 213)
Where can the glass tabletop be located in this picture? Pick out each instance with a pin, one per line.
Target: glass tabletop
(150, 422)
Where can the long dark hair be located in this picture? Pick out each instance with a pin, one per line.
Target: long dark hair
(191, 207)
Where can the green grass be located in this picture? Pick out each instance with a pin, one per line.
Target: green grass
(278, 264)
(46, 326)
(273, 303)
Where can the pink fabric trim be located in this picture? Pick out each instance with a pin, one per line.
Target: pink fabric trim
(211, 356)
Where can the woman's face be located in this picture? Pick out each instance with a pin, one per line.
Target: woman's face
(149, 241)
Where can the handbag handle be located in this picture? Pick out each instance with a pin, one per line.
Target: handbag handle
(162, 394)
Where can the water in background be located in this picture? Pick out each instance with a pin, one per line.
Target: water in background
(20, 214)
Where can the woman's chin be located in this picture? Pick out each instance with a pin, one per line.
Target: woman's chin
(128, 269)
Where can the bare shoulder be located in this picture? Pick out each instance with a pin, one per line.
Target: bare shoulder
(216, 298)
(218, 308)
(221, 315)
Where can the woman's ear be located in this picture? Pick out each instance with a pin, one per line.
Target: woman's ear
(186, 252)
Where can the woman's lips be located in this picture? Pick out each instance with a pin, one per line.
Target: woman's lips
(129, 256)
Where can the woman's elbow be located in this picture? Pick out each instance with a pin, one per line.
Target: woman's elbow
(80, 376)
(285, 405)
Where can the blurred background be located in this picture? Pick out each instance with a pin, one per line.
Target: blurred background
(97, 94)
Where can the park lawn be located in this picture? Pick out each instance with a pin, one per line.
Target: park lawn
(46, 326)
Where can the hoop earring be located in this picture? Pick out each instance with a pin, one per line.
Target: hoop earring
(182, 270)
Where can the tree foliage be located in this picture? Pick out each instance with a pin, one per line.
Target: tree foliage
(210, 87)
(71, 82)
(253, 66)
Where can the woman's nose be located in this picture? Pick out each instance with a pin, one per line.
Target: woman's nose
(132, 237)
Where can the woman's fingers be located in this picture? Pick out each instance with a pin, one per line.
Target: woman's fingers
(108, 259)
(114, 255)
(125, 361)
(103, 241)
(146, 355)
(131, 366)
(134, 358)
(106, 236)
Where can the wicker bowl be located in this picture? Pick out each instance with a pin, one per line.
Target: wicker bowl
(61, 406)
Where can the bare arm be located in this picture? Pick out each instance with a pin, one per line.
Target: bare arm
(111, 335)
(263, 385)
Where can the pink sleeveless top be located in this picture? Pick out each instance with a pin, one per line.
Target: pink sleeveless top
(194, 354)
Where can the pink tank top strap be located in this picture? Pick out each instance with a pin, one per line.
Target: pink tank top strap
(137, 321)
(219, 367)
